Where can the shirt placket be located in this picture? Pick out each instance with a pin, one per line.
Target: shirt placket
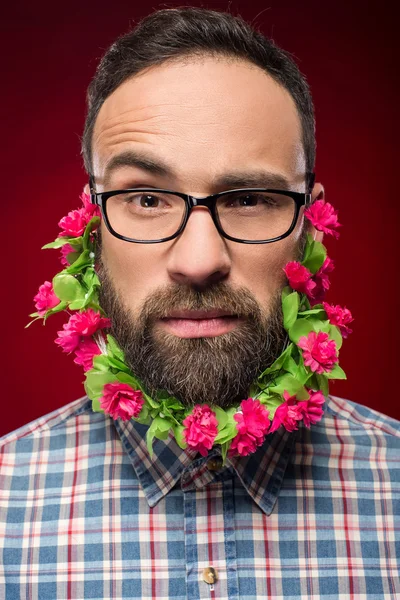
(209, 526)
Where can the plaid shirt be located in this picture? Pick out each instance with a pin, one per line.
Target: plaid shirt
(86, 513)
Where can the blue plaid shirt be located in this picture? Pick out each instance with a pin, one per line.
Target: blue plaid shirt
(86, 513)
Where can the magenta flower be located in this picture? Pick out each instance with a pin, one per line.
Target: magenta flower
(120, 401)
(85, 353)
(201, 428)
(80, 325)
(300, 278)
(74, 224)
(321, 281)
(311, 409)
(340, 317)
(65, 250)
(45, 299)
(324, 217)
(319, 352)
(287, 414)
(252, 425)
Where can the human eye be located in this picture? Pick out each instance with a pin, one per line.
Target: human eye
(145, 201)
(259, 200)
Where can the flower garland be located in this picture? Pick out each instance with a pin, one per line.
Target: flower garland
(291, 390)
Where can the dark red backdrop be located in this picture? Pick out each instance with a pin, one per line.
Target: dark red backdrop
(49, 55)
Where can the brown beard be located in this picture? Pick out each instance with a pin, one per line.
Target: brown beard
(216, 370)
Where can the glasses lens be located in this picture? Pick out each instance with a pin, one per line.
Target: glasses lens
(255, 215)
(145, 215)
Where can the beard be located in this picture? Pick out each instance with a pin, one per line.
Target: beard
(214, 370)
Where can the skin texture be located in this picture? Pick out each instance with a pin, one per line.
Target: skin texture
(203, 117)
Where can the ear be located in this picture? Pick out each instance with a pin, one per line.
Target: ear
(318, 193)
(86, 189)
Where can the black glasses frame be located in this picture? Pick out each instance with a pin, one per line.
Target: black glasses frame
(300, 199)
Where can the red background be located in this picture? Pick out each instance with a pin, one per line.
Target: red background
(348, 53)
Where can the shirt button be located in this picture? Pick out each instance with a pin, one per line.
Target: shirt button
(210, 575)
(214, 464)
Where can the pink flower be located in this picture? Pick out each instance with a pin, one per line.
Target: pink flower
(319, 352)
(299, 278)
(324, 217)
(311, 410)
(201, 428)
(65, 250)
(85, 352)
(321, 281)
(120, 401)
(45, 299)
(287, 414)
(340, 317)
(74, 224)
(252, 425)
(80, 325)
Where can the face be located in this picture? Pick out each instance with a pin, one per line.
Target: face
(182, 308)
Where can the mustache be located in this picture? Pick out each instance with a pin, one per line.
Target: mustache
(220, 297)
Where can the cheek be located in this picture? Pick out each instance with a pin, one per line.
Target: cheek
(134, 268)
(260, 269)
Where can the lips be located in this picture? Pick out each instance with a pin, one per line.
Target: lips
(198, 314)
(199, 323)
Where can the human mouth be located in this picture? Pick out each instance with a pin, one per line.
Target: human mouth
(199, 323)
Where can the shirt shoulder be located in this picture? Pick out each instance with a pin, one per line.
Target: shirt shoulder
(361, 416)
(53, 421)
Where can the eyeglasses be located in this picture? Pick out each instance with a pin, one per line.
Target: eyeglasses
(247, 216)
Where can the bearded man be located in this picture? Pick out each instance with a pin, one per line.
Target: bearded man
(199, 146)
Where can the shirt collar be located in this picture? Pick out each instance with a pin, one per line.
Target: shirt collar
(261, 473)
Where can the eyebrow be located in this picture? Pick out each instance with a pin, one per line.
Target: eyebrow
(235, 179)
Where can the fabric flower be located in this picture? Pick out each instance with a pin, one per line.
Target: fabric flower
(201, 428)
(311, 409)
(287, 414)
(321, 281)
(83, 324)
(340, 317)
(300, 278)
(324, 217)
(319, 352)
(45, 299)
(65, 250)
(120, 401)
(252, 425)
(74, 224)
(85, 352)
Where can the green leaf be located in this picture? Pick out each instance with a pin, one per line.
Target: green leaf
(178, 432)
(56, 309)
(314, 311)
(118, 364)
(114, 349)
(61, 241)
(93, 224)
(144, 416)
(271, 402)
(302, 327)
(221, 416)
(78, 304)
(334, 334)
(224, 451)
(336, 373)
(127, 378)
(81, 263)
(323, 383)
(67, 287)
(95, 382)
(286, 291)
(96, 406)
(100, 363)
(308, 247)
(290, 308)
(227, 433)
(316, 257)
(278, 363)
(286, 383)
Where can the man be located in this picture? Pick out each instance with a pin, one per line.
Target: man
(195, 102)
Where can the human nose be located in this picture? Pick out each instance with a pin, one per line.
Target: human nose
(199, 256)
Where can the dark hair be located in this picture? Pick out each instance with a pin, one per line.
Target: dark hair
(183, 32)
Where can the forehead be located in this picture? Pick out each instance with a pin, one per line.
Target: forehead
(202, 116)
